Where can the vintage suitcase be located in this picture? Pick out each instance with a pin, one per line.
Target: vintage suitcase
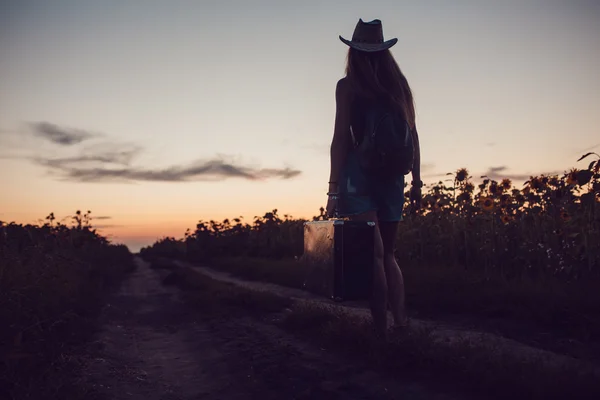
(338, 258)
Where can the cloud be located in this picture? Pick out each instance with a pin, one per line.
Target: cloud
(499, 173)
(494, 173)
(428, 171)
(71, 169)
(113, 162)
(106, 226)
(427, 167)
(102, 217)
(99, 155)
(60, 135)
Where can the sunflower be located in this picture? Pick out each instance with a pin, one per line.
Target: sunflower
(506, 183)
(494, 188)
(486, 203)
(464, 197)
(535, 183)
(506, 219)
(462, 174)
(504, 200)
(469, 187)
(565, 216)
(572, 177)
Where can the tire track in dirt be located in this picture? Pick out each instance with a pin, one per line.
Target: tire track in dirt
(153, 346)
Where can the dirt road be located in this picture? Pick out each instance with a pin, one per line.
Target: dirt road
(443, 332)
(153, 346)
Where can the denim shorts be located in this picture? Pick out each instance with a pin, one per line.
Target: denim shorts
(360, 193)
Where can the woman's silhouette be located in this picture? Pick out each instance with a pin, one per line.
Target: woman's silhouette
(372, 75)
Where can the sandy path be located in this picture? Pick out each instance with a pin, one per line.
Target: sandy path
(152, 346)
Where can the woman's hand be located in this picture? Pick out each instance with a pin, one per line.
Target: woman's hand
(332, 202)
(415, 196)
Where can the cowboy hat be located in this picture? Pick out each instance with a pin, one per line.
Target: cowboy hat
(368, 36)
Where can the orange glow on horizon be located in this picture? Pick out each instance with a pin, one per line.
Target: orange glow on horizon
(144, 229)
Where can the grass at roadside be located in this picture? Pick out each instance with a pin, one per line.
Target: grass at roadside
(548, 309)
(52, 282)
(288, 272)
(217, 298)
(475, 368)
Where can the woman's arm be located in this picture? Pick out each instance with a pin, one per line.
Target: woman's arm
(416, 170)
(341, 133)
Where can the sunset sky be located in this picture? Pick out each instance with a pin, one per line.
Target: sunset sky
(156, 114)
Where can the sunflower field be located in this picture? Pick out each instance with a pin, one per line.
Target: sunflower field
(550, 226)
(53, 277)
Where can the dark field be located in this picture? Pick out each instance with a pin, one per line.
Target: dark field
(82, 318)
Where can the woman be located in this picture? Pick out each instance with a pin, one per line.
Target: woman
(372, 75)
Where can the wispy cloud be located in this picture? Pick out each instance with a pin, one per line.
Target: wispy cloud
(96, 155)
(102, 217)
(495, 173)
(501, 172)
(427, 167)
(199, 171)
(60, 135)
(105, 226)
(113, 162)
(108, 161)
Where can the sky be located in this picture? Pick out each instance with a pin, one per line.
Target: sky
(157, 114)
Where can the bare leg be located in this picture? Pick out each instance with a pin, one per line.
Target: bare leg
(379, 296)
(396, 294)
(394, 278)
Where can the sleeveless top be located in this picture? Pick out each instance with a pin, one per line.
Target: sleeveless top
(358, 105)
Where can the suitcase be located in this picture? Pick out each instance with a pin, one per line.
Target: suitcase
(338, 258)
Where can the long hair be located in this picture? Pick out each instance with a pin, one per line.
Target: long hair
(376, 75)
